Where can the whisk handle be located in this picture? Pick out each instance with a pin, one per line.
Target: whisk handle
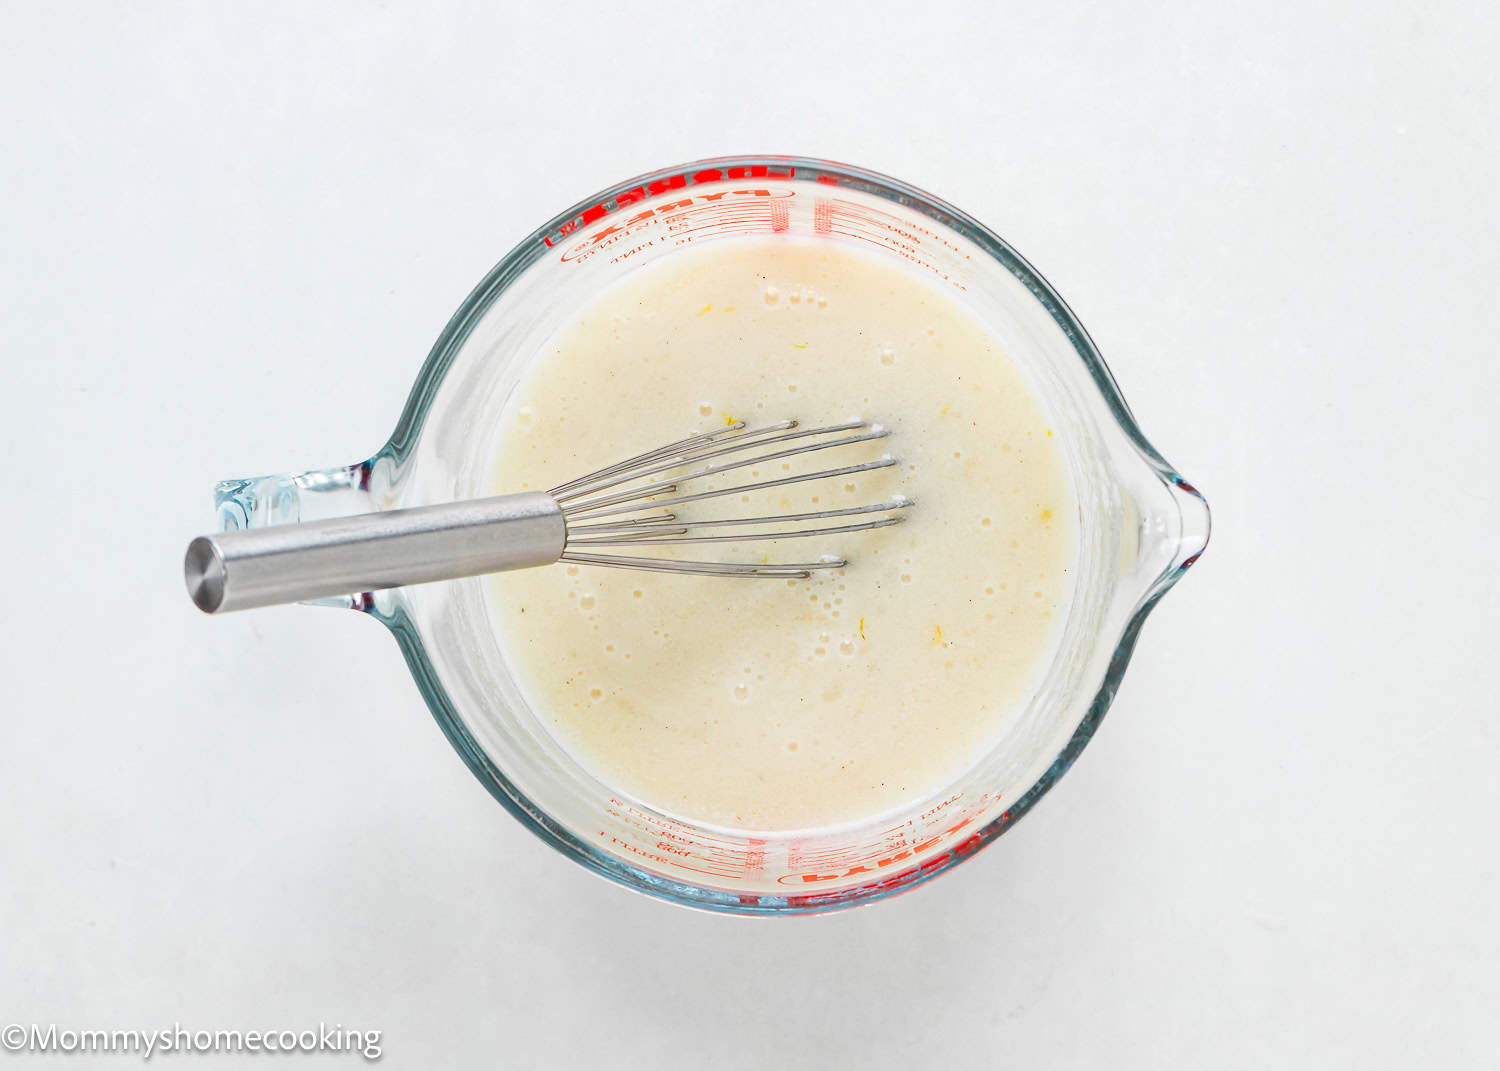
(296, 562)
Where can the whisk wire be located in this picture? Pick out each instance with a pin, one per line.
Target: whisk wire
(681, 445)
(727, 522)
(797, 571)
(744, 441)
(592, 511)
(884, 522)
(590, 516)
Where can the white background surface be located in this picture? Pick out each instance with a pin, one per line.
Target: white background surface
(228, 237)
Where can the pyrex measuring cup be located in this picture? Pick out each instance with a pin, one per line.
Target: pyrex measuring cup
(1140, 526)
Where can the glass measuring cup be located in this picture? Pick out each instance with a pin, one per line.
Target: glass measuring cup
(1140, 526)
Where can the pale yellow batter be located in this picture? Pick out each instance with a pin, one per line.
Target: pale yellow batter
(775, 704)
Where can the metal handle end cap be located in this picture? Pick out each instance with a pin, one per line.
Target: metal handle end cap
(203, 570)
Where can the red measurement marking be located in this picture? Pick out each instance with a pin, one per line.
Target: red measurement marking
(831, 217)
(873, 865)
(656, 187)
(730, 204)
(657, 823)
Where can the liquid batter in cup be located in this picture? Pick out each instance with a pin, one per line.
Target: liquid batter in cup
(773, 704)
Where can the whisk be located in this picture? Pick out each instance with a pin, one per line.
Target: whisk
(593, 520)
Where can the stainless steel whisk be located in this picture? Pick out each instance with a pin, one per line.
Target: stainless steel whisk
(573, 522)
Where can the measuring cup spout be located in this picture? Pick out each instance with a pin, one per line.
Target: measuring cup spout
(1194, 522)
(1172, 532)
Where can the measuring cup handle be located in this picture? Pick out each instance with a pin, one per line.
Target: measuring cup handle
(294, 497)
